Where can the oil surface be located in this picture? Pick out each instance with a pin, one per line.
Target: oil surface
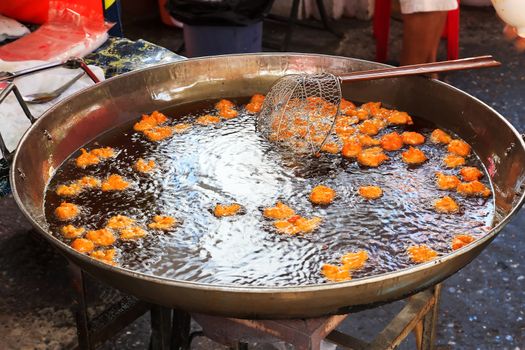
(231, 162)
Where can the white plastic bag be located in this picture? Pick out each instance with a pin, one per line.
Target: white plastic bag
(13, 122)
(11, 29)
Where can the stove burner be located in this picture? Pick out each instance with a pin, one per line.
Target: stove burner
(167, 331)
(419, 316)
(170, 329)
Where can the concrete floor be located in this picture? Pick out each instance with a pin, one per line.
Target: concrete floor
(482, 306)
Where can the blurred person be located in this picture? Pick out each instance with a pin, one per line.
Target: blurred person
(512, 12)
(423, 23)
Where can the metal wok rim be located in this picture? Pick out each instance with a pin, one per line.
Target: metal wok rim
(255, 289)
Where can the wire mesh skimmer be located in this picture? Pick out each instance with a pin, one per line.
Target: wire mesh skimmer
(300, 110)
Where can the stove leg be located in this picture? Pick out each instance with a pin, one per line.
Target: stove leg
(99, 328)
(180, 331)
(80, 308)
(160, 328)
(430, 322)
(240, 346)
(425, 329)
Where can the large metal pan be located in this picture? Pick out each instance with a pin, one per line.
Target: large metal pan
(80, 118)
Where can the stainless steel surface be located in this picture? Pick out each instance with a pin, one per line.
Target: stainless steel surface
(44, 97)
(83, 116)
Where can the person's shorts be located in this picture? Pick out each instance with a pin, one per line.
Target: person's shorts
(412, 6)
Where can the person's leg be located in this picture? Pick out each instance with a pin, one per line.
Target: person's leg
(421, 35)
(424, 21)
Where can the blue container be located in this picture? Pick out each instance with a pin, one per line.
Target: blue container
(203, 40)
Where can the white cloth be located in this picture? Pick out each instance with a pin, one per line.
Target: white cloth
(13, 122)
(11, 29)
(412, 6)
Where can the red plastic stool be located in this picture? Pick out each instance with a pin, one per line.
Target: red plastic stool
(381, 28)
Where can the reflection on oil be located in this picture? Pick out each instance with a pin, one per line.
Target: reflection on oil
(230, 162)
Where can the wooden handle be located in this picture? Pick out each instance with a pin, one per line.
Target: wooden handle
(425, 68)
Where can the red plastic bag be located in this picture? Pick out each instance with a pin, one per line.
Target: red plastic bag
(74, 28)
(31, 11)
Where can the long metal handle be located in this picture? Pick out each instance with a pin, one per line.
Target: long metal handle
(426, 68)
(73, 63)
(44, 97)
(66, 86)
(11, 75)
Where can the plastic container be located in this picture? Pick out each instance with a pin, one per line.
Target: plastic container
(73, 28)
(203, 40)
